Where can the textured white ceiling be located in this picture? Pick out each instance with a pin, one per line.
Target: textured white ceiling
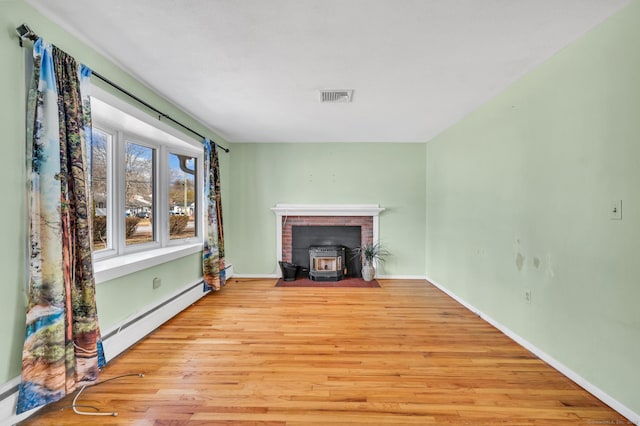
(251, 69)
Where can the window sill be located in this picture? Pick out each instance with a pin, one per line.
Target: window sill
(109, 269)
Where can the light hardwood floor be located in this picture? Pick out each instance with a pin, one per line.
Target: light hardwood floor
(402, 354)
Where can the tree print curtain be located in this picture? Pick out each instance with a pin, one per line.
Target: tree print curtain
(213, 253)
(62, 348)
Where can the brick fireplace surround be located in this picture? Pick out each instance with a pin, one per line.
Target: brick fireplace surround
(364, 222)
(288, 215)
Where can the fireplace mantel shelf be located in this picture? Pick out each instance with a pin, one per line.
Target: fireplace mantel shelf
(327, 209)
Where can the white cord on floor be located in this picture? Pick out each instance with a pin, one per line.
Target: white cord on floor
(88, 413)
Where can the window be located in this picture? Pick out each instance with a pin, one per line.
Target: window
(144, 185)
(182, 196)
(138, 193)
(99, 178)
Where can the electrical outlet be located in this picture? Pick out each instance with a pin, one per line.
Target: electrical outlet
(157, 282)
(527, 296)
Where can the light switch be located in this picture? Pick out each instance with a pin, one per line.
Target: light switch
(615, 210)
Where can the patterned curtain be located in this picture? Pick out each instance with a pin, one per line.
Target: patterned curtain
(213, 253)
(62, 348)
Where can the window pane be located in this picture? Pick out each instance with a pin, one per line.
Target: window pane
(182, 196)
(138, 193)
(97, 164)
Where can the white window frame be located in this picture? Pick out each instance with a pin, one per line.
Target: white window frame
(129, 137)
(119, 259)
(110, 250)
(199, 189)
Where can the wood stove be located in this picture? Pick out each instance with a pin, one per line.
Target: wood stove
(327, 263)
(305, 236)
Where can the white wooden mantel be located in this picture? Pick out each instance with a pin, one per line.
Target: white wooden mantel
(284, 210)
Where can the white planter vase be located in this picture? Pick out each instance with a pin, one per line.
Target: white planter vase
(368, 272)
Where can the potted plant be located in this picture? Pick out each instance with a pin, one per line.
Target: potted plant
(370, 255)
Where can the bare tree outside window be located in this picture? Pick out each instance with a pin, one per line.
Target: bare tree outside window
(139, 177)
(130, 159)
(98, 167)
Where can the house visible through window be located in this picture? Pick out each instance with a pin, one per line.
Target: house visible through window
(138, 195)
(182, 196)
(143, 182)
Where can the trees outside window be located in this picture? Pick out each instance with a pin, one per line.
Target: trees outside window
(182, 196)
(143, 185)
(139, 178)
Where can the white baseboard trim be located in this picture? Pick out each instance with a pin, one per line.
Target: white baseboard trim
(122, 336)
(115, 341)
(566, 371)
(382, 277)
(9, 401)
(256, 276)
(401, 277)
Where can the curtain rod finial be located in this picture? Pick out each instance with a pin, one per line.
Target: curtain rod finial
(24, 32)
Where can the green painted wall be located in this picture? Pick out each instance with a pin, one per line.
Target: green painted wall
(117, 299)
(518, 197)
(262, 175)
(135, 292)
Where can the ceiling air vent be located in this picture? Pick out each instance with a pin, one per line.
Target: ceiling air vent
(336, 95)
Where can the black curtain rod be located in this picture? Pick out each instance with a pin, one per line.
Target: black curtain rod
(160, 113)
(24, 32)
